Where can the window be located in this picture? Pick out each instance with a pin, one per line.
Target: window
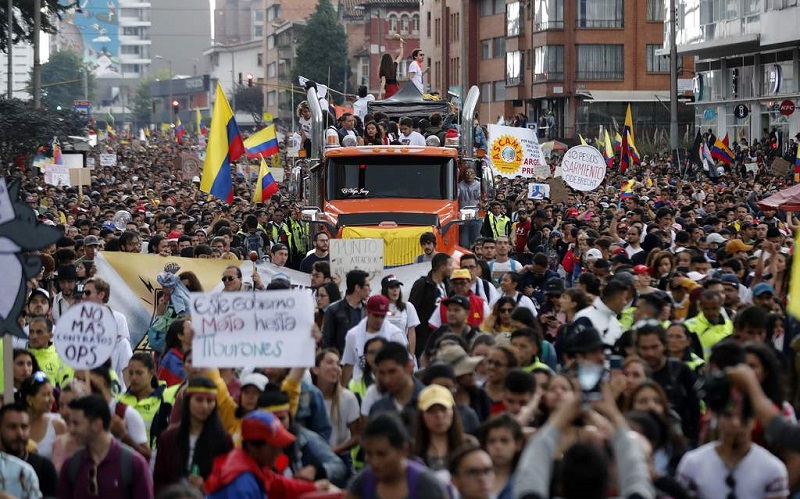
(428, 26)
(259, 59)
(259, 15)
(486, 49)
(363, 71)
(548, 63)
(392, 24)
(271, 42)
(600, 14)
(272, 98)
(438, 37)
(656, 63)
(549, 14)
(274, 12)
(272, 70)
(655, 10)
(486, 92)
(258, 31)
(499, 91)
(514, 68)
(499, 7)
(487, 8)
(405, 24)
(499, 47)
(600, 62)
(415, 23)
(514, 19)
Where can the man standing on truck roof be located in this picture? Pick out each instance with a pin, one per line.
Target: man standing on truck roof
(415, 71)
(469, 194)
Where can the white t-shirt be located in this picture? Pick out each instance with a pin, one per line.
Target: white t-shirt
(525, 302)
(133, 423)
(120, 357)
(403, 319)
(348, 412)
(357, 337)
(305, 126)
(758, 474)
(499, 268)
(413, 139)
(372, 396)
(417, 77)
(360, 106)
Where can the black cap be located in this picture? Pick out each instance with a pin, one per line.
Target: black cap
(540, 214)
(583, 337)
(67, 273)
(458, 300)
(390, 281)
(554, 286)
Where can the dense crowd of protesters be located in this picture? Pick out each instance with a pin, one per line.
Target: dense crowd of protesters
(606, 344)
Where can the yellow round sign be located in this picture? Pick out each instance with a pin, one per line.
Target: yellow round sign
(506, 154)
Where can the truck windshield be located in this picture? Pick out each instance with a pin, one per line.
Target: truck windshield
(410, 176)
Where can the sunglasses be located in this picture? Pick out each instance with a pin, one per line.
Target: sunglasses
(94, 489)
(730, 481)
(227, 278)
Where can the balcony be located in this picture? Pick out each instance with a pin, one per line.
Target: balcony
(601, 23)
(548, 76)
(548, 25)
(286, 52)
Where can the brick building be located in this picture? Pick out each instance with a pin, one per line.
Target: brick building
(567, 65)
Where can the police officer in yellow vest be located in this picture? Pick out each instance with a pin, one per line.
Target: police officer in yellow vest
(278, 231)
(496, 223)
(299, 238)
(40, 344)
(149, 397)
(711, 325)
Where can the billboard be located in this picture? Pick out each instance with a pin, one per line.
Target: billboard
(93, 31)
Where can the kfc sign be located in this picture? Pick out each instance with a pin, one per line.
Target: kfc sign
(786, 108)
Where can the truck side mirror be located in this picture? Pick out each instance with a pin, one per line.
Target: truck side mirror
(487, 182)
(296, 183)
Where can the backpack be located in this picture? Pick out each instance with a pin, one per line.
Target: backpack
(254, 242)
(125, 462)
(413, 472)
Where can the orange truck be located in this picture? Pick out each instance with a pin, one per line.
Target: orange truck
(391, 192)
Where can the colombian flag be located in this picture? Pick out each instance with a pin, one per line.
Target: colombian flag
(797, 172)
(265, 186)
(110, 131)
(617, 142)
(608, 150)
(179, 131)
(721, 152)
(224, 146)
(262, 143)
(201, 128)
(626, 189)
(583, 141)
(629, 155)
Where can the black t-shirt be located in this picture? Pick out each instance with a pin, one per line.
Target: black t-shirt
(46, 472)
(307, 264)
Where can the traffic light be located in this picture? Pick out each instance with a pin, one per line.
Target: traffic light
(176, 106)
(249, 80)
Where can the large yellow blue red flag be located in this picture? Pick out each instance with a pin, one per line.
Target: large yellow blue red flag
(262, 143)
(224, 146)
(608, 150)
(629, 155)
(265, 186)
(201, 128)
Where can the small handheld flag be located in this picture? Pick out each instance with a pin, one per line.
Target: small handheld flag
(262, 143)
(265, 186)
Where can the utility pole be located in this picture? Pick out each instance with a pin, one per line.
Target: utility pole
(10, 45)
(85, 78)
(463, 57)
(37, 63)
(673, 81)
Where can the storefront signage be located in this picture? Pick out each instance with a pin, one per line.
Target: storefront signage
(786, 108)
(741, 111)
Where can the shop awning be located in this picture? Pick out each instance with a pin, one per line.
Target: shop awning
(625, 95)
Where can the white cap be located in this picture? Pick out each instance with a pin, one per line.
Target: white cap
(594, 253)
(715, 238)
(256, 379)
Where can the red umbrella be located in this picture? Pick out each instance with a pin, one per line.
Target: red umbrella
(786, 200)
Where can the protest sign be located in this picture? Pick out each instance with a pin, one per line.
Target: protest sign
(108, 160)
(514, 151)
(780, 166)
(251, 329)
(351, 254)
(558, 190)
(583, 168)
(542, 170)
(85, 335)
(56, 175)
(538, 191)
(751, 167)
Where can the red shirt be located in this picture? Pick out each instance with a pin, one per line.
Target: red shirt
(521, 233)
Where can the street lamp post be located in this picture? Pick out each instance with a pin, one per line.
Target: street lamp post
(10, 46)
(169, 61)
(37, 63)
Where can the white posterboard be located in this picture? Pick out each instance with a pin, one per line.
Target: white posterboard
(538, 191)
(253, 329)
(583, 168)
(352, 254)
(108, 160)
(90, 162)
(56, 175)
(514, 151)
(72, 160)
(85, 335)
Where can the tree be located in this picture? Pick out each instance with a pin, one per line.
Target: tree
(62, 80)
(23, 19)
(142, 101)
(250, 100)
(23, 129)
(322, 53)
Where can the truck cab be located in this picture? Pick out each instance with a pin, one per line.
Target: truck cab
(392, 192)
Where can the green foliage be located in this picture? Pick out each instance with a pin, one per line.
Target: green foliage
(23, 129)
(23, 19)
(62, 80)
(323, 49)
(142, 103)
(250, 100)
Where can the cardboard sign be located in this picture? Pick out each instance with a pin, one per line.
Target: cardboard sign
(85, 335)
(190, 165)
(108, 160)
(558, 190)
(514, 151)
(583, 168)
(72, 160)
(542, 170)
(538, 191)
(57, 175)
(780, 166)
(253, 329)
(352, 254)
(751, 167)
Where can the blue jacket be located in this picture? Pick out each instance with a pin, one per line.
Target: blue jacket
(245, 486)
(311, 449)
(311, 411)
